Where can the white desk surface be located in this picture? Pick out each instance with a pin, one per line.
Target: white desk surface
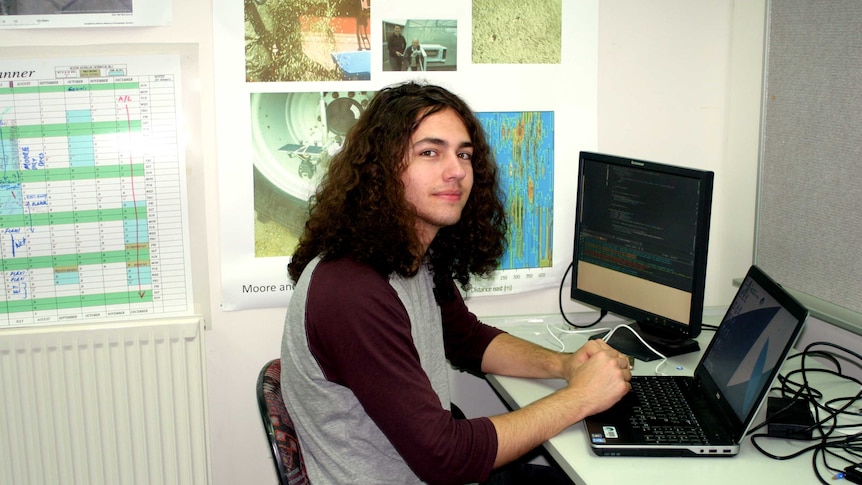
(571, 448)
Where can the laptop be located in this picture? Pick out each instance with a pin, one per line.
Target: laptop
(721, 400)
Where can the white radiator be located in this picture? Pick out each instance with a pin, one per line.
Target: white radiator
(104, 404)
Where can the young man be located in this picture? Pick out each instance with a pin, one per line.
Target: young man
(410, 205)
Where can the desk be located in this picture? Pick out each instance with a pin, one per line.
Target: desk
(571, 448)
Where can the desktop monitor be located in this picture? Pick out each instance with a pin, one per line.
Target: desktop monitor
(641, 238)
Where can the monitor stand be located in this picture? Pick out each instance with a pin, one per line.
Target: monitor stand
(627, 343)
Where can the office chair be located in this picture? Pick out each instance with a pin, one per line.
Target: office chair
(286, 454)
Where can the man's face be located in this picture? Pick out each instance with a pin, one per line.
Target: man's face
(397, 30)
(439, 172)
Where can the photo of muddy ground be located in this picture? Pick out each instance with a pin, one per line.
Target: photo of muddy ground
(517, 31)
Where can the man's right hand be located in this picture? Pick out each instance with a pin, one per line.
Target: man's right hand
(600, 380)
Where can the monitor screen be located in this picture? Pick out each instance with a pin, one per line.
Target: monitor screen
(641, 238)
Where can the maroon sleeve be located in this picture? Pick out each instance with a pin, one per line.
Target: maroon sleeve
(359, 332)
(466, 338)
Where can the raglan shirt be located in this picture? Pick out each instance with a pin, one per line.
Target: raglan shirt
(365, 378)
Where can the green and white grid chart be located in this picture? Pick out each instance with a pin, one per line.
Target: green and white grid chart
(93, 221)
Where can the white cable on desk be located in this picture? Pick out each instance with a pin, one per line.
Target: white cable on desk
(565, 330)
(606, 338)
(656, 352)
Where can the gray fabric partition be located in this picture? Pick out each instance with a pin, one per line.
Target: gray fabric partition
(809, 218)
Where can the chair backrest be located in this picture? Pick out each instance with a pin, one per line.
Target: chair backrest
(279, 427)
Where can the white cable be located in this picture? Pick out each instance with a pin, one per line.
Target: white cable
(656, 352)
(605, 338)
(567, 331)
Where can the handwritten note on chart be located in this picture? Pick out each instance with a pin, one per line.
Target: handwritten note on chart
(93, 221)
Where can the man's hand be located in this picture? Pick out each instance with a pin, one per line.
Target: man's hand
(590, 348)
(598, 376)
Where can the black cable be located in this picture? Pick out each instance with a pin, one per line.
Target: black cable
(827, 446)
(602, 311)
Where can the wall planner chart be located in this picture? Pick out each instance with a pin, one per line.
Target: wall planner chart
(93, 219)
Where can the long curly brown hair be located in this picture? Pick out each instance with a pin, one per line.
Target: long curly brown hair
(360, 210)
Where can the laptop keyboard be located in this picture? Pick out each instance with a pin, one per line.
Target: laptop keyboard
(662, 413)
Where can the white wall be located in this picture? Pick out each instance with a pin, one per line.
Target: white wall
(679, 82)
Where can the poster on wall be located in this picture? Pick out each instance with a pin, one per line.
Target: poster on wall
(92, 191)
(293, 77)
(33, 14)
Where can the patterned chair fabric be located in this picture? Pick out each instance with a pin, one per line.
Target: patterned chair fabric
(279, 427)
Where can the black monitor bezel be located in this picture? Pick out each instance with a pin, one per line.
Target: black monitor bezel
(649, 321)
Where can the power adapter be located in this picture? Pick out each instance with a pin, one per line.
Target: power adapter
(788, 418)
(852, 473)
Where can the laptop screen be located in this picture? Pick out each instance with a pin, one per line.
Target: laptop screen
(750, 344)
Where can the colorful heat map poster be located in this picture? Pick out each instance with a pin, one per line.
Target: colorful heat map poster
(523, 144)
